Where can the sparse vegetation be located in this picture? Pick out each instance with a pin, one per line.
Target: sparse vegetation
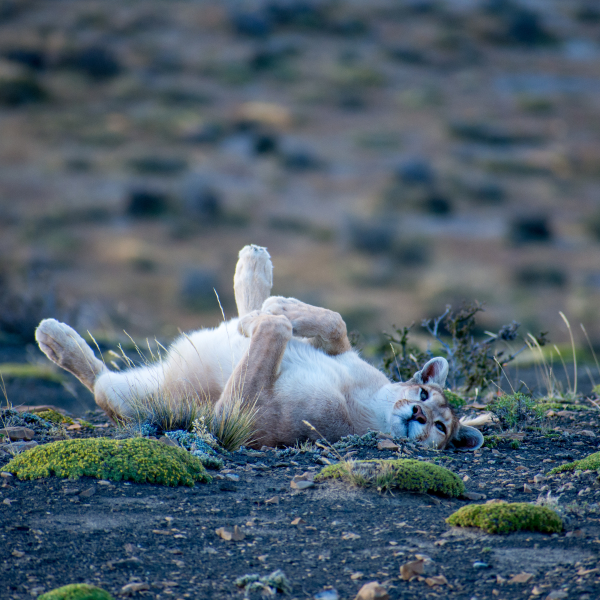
(474, 363)
(503, 517)
(590, 463)
(402, 474)
(516, 411)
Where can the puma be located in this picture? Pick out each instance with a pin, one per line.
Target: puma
(291, 360)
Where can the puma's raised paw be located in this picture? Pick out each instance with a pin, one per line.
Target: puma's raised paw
(253, 278)
(248, 324)
(64, 346)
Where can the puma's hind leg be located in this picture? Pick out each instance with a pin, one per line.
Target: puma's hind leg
(253, 279)
(65, 347)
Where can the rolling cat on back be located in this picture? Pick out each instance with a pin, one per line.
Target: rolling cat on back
(290, 359)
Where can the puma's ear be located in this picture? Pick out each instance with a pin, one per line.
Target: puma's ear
(466, 438)
(434, 372)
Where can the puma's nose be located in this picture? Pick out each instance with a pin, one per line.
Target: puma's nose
(419, 415)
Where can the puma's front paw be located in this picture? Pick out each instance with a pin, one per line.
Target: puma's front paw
(248, 324)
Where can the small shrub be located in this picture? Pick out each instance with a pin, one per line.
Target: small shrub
(137, 459)
(403, 474)
(473, 363)
(515, 444)
(589, 463)
(77, 591)
(490, 441)
(268, 585)
(502, 517)
(515, 411)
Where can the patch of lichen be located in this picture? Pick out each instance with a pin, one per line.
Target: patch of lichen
(404, 474)
(135, 459)
(77, 591)
(503, 517)
(53, 416)
(589, 463)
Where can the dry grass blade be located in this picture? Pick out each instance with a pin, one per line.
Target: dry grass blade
(573, 349)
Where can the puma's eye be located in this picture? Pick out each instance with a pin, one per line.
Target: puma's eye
(424, 394)
(441, 427)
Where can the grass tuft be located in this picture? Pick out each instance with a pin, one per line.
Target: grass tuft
(589, 463)
(403, 474)
(135, 459)
(503, 517)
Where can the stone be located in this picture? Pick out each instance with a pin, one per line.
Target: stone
(556, 595)
(17, 447)
(87, 493)
(372, 591)
(387, 445)
(17, 434)
(521, 578)
(301, 485)
(474, 496)
(168, 441)
(6, 475)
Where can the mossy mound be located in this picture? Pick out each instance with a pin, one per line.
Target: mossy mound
(502, 517)
(53, 416)
(135, 459)
(77, 591)
(404, 474)
(589, 463)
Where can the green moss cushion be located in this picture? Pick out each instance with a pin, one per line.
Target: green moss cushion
(404, 474)
(77, 591)
(137, 459)
(502, 517)
(589, 463)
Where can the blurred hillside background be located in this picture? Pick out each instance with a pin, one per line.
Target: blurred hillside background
(394, 156)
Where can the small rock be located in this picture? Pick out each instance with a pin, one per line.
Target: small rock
(229, 534)
(232, 477)
(87, 493)
(8, 501)
(556, 595)
(538, 478)
(132, 588)
(6, 475)
(357, 575)
(16, 434)
(298, 521)
(301, 485)
(521, 578)
(273, 500)
(412, 569)
(466, 478)
(18, 553)
(474, 496)
(17, 447)
(372, 591)
(437, 580)
(104, 482)
(387, 445)
(480, 565)
(527, 489)
(168, 441)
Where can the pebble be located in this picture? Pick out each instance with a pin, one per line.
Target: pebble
(16, 447)
(474, 496)
(6, 475)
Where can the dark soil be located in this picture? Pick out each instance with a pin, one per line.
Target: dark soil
(53, 535)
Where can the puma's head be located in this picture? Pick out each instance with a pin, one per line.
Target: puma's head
(422, 413)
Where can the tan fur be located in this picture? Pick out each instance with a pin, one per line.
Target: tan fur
(291, 360)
